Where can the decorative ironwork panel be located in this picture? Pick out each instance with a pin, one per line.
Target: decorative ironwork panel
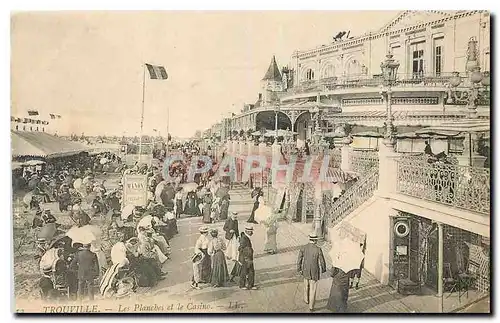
(363, 161)
(336, 210)
(335, 157)
(363, 101)
(458, 186)
(415, 101)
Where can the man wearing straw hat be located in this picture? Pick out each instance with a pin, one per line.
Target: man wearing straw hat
(310, 265)
(245, 257)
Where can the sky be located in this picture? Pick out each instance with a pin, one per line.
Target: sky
(88, 66)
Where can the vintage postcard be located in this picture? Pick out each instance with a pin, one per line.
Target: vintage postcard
(251, 162)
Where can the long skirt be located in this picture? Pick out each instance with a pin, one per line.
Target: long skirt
(178, 208)
(271, 244)
(339, 293)
(219, 269)
(232, 249)
(191, 208)
(206, 213)
(206, 267)
(223, 211)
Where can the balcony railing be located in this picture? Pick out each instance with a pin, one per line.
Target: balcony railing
(335, 157)
(360, 81)
(356, 195)
(361, 161)
(454, 185)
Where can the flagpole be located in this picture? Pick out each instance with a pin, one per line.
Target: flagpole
(142, 110)
(168, 123)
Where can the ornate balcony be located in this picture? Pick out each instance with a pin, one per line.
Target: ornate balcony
(454, 185)
(362, 161)
(357, 81)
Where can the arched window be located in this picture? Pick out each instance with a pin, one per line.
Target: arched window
(328, 71)
(31, 128)
(17, 127)
(43, 129)
(309, 75)
(36, 128)
(353, 68)
(24, 128)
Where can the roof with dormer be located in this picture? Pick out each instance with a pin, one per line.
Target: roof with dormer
(273, 72)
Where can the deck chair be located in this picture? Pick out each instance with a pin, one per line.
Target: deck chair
(466, 280)
(450, 284)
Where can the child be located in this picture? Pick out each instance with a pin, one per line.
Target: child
(196, 259)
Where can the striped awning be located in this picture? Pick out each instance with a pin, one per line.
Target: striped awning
(454, 128)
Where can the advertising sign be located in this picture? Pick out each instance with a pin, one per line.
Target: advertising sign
(135, 190)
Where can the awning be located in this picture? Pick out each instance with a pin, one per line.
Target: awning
(40, 144)
(370, 134)
(454, 128)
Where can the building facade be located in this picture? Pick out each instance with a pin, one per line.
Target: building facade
(343, 79)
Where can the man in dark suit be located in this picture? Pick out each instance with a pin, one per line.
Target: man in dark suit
(87, 267)
(310, 264)
(245, 257)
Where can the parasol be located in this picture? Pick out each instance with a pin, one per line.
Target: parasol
(222, 192)
(28, 198)
(263, 213)
(190, 187)
(84, 235)
(346, 255)
(127, 211)
(77, 184)
(334, 135)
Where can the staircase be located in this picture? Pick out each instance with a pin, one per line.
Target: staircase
(356, 195)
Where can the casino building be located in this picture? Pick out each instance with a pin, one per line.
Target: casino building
(374, 103)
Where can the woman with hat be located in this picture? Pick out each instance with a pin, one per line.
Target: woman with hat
(206, 264)
(207, 208)
(178, 203)
(232, 234)
(224, 206)
(216, 249)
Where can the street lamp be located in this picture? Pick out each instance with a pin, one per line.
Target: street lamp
(276, 111)
(389, 69)
(472, 85)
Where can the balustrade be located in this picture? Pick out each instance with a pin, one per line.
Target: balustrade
(360, 192)
(335, 157)
(353, 81)
(459, 186)
(362, 161)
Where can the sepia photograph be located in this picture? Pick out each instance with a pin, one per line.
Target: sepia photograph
(232, 162)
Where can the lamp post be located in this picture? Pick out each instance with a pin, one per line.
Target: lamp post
(276, 111)
(470, 86)
(389, 69)
(469, 91)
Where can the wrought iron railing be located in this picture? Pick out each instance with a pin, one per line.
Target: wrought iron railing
(356, 195)
(353, 81)
(458, 186)
(362, 161)
(335, 157)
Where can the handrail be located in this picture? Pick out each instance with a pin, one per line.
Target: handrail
(462, 187)
(356, 195)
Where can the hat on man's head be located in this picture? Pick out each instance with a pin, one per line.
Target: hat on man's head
(203, 230)
(234, 213)
(249, 228)
(313, 236)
